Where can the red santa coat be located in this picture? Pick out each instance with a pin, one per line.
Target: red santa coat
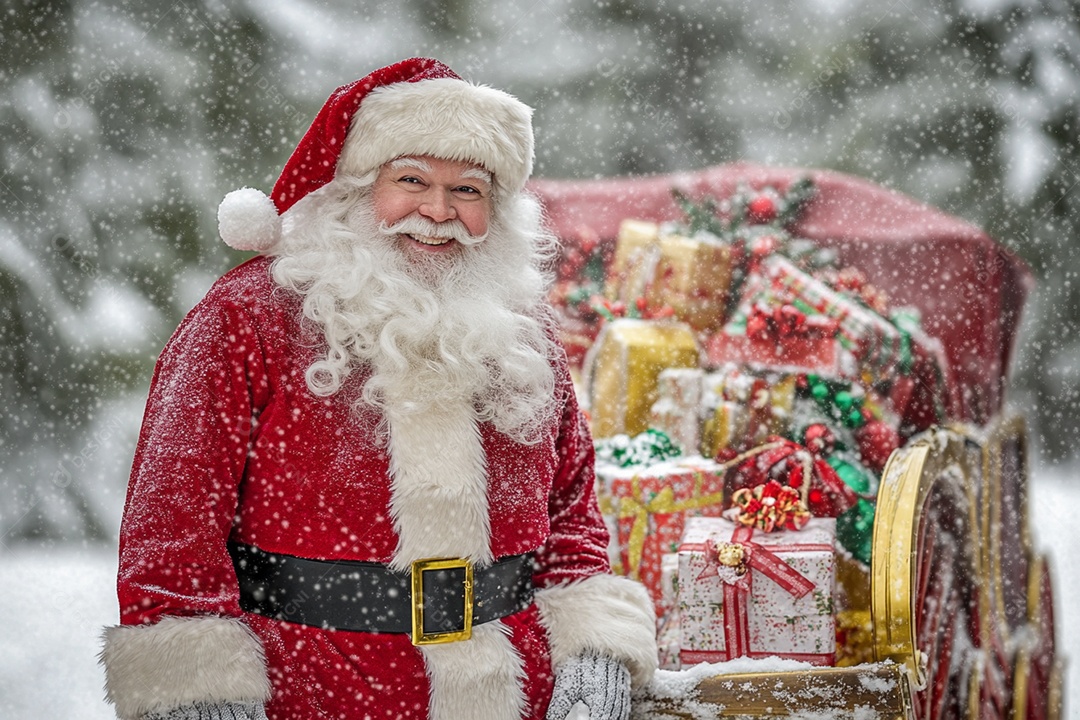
(235, 446)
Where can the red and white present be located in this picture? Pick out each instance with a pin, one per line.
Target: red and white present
(746, 593)
(790, 320)
(646, 506)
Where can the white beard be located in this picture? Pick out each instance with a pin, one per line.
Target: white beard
(436, 330)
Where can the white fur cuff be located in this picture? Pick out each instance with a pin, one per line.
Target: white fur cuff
(180, 661)
(605, 614)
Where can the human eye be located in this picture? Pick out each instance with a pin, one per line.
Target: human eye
(411, 183)
(468, 190)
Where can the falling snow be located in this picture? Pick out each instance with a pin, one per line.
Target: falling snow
(124, 125)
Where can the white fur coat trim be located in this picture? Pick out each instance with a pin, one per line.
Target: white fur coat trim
(603, 614)
(478, 679)
(438, 485)
(182, 660)
(445, 118)
(439, 504)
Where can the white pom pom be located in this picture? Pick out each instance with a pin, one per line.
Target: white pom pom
(249, 220)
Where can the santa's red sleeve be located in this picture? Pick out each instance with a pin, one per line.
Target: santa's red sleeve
(180, 639)
(584, 608)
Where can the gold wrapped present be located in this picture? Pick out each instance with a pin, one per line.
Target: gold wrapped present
(623, 369)
(692, 276)
(637, 250)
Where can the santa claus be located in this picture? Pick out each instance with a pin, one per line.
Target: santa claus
(363, 486)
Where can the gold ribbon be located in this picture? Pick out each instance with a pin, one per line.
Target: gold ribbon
(662, 503)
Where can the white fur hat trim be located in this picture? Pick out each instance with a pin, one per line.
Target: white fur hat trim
(445, 118)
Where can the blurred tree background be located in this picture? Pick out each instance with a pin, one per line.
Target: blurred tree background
(123, 124)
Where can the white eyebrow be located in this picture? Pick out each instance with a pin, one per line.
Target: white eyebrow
(403, 162)
(477, 174)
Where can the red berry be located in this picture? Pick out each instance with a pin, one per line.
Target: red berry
(761, 210)
(790, 319)
(756, 326)
(764, 245)
(819, 439)
(725, 454)
(587, 239)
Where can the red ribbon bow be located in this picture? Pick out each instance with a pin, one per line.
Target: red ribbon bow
(789, 463)
(785, 321)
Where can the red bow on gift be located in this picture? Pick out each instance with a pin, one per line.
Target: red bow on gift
(787, 321)
(795, 466)
(770, 506)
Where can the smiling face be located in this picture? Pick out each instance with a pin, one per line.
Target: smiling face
(440, 204)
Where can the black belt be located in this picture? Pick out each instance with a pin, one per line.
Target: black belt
(439, 601)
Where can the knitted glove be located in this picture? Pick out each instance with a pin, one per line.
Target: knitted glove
(599, 681)
(212, 711)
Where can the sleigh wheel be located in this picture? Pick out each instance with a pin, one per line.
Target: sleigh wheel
(925, 558)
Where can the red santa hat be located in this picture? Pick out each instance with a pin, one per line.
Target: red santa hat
(418, 106)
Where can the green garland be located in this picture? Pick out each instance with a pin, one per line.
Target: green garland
(649, 447)
(837, 400)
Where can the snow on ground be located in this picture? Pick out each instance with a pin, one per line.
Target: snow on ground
(56, 602)
(1054, 497)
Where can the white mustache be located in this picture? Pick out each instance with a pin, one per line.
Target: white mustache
(416, 225)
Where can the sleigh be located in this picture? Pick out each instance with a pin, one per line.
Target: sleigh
(952, 615)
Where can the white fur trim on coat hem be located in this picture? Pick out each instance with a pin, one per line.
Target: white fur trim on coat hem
(481, 678)
(603, 614)
(182, 660)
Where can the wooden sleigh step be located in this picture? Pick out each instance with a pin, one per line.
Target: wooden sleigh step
(879, 690)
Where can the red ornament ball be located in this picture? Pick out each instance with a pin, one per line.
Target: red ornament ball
(819, 440)
(761, 210)
(877, 440)
(757, 326)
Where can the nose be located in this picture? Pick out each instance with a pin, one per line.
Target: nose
(437, 206)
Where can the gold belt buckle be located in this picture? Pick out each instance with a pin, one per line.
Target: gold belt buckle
(419, 567)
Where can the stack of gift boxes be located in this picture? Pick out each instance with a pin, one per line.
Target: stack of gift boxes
(755, 372)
